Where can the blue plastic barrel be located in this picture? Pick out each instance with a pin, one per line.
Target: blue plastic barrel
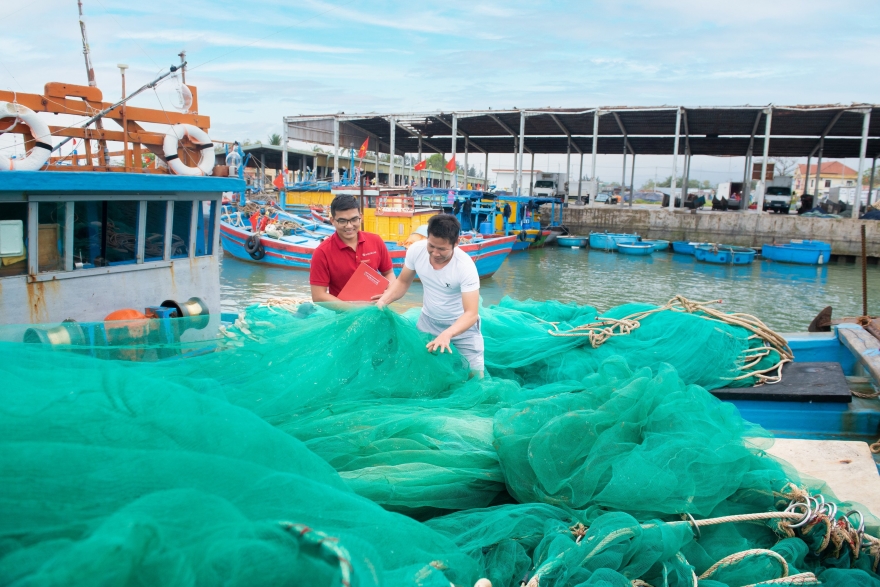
(486, 228)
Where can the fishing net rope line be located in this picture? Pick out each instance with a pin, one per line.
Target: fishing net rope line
(309, 446)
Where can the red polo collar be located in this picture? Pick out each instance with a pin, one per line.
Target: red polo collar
(341, 243)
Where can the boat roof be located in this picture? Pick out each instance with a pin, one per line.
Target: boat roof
(89, 182)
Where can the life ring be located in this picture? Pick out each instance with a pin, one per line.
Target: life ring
(201, 140)
(39, 155)
(254, 247)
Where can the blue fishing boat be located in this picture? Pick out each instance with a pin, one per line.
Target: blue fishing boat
(724, 254)
(575, 242)
(608, 241)
(83, 238)
(659, 245)
(800, 252)
(686, 247)
(636, 249)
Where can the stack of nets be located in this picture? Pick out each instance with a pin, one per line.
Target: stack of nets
(306, 446)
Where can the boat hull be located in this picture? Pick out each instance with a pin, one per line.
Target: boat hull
(686, 247)
(488, 254)
(724, 255)
(635, 249)
(575, 242)
(658, 245)
(609, 241)
(799, 252)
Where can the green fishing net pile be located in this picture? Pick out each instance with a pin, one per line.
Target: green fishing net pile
(309, 447)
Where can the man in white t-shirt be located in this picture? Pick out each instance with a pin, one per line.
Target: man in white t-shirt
(450, 309)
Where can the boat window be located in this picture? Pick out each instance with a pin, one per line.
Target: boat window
(13, 245)
(180, 228)
(50, 242)
(104, 233)
(205, 237)
(154, 245)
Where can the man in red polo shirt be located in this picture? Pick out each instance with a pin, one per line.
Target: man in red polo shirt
(336, 259)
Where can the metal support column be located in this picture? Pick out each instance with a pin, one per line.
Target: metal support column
(762, 186)
(335, 149)
(623, 174)
(818, 172)
(871, 182)
(284, 144)
(580, 180)
(807, 177)
(686, 177)
(568, 169)
(33, 238)
(392, 181)
(863, 150)
(486, 179)
(519, 156)
(454, 145)
(593, 164)
(632, 181)
(466, 168)
(532, 177)
(420, 159)
(675, 158)
(68, 236)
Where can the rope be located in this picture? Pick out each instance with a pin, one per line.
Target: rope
(740, 556)
(604, 328)
(799, 579)
(329, 546)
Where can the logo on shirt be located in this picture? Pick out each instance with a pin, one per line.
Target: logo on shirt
(447, 285)
(368, 253)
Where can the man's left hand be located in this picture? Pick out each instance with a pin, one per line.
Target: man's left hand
(441, 342)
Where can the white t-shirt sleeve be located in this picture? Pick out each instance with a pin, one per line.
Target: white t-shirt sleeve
(470, 278)
(412, 254)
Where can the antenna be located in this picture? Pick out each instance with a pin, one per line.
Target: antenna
(90, 71)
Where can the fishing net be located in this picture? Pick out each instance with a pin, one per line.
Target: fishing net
(305, 445)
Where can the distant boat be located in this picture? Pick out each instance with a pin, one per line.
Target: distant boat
(724, 254)
(639, 249)
(686, 247)
(659, 245)
(800, 252)
(575, 242)
(608, 241)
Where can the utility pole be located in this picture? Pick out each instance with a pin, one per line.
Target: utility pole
(90, 71)
(182, 56)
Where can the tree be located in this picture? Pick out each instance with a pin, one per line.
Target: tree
(668, 182)
(866, 178)
(648, 186)
(275, 139)
(783, 166)
(706, 185)
(436, 162)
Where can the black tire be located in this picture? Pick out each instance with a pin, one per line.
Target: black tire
(252, 243)
(523, 235)
(786, 210)
(254, 247)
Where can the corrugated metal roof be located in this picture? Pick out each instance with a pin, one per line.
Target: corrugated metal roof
(716, 131)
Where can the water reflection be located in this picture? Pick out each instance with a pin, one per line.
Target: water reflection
(785, 296)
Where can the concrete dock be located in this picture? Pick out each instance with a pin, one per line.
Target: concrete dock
(747, 229)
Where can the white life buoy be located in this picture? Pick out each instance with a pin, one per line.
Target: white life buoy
(39, 155)
(202, 142)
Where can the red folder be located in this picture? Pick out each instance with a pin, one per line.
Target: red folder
(365, 283)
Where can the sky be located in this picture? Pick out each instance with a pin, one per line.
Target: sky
(255, 62)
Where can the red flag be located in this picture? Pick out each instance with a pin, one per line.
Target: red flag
(279, 181)
(451, 165)
(421, 165)
(362, 152)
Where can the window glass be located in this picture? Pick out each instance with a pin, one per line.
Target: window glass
(13, 238)
(827, 183)
(205, 238)
(51, 236)
(104, 233)
(154, 247)
(180, 229)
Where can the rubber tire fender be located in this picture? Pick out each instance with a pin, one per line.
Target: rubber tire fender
(251, 244)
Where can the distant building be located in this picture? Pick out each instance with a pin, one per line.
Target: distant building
(504, 179)
(834, 174)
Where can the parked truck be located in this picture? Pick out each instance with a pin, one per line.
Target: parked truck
(777, 195)
(728, 196)
(550, 185)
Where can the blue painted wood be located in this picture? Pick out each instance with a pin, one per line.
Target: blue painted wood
(89, 182)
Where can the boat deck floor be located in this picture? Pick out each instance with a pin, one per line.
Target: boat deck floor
(846, 466)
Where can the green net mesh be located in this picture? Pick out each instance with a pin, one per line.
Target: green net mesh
(306, 446)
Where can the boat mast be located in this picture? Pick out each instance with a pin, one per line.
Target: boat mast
(90, 71)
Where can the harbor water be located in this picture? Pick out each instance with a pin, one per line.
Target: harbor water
(784, 296)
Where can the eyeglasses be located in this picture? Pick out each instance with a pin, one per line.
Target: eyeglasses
(344, 221)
